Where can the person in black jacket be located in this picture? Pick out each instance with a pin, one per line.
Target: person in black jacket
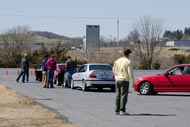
(70, 67)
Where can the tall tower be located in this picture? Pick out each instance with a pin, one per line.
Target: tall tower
(92, 37)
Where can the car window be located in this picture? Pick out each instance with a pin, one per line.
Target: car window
(62, 67)
(77, 68)
(100, 67)
(83, 68)
(186, 70)
(176, 71)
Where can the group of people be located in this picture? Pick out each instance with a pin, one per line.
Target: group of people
(48, 68)
(122, 70)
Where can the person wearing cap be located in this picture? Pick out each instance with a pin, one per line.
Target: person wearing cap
(123, 72)
(24, 69)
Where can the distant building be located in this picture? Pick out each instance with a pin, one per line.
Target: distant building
(92, 37)
(178, 43)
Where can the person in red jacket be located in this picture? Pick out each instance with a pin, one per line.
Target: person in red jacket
(50, 66)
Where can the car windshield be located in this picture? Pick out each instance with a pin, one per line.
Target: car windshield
(62, 67)
(100, 67)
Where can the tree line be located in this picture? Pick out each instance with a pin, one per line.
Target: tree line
(18, 40)
(145, 40)
(178, 34)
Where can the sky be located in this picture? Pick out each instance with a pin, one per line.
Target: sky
(70, 17)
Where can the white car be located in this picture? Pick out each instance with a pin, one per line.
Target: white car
(93, 75)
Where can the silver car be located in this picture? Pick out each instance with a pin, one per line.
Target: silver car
(96, 75)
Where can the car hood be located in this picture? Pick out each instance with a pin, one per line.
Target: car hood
(149, 77)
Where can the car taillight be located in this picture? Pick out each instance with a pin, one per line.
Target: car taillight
(92, 76)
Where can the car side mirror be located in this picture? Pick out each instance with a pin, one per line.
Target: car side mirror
(166, 73)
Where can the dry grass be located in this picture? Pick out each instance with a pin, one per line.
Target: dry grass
(19, 111)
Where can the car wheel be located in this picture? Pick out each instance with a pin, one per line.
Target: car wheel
(57, 81)
(145, 88)
(64, 84)
(84, 88)
(72, 84)
(54, 80)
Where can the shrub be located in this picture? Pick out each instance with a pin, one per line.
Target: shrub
(156, 65)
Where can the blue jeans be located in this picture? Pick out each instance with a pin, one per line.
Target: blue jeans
(69, 78)
(49, 78)
(22, 73)
(27, 74)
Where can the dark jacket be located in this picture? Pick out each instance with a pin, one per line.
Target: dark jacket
(70, 65)
(25, 63)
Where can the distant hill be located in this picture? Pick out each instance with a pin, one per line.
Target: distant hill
(50, 35)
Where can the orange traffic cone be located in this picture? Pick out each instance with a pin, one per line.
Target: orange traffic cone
(6, 73)
(18, 72)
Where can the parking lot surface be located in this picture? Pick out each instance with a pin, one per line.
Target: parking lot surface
(96, 108)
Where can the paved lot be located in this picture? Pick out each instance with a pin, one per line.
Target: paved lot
(96, 109)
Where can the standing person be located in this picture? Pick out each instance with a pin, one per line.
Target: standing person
(24, 68)
(44, 70)
(50, 66)
(123, 73)
(70, 67)
(27, 68)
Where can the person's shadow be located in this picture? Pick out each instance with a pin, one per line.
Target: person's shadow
(150, 114)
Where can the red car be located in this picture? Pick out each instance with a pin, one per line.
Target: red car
(175, 79)
(59, 74)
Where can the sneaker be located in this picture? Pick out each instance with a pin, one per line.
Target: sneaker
(116, 113)
(17, 80)
(121, 113)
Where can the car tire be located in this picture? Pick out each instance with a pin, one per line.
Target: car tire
(57, 82)
(54, 80)
(84, 88)
(145, 88)
(72, 84)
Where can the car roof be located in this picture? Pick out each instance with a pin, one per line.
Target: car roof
(182, 65)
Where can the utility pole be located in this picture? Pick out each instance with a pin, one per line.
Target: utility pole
(118, 32)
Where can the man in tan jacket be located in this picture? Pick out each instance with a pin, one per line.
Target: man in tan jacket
(123, 73)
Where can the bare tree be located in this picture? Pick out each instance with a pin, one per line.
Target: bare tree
(145, 39)
(15, 42)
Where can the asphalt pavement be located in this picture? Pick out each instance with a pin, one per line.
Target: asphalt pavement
(96, 108)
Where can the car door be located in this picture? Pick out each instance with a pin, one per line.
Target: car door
(79, 75)
(184, 85)
(167, 82)
(175, 78)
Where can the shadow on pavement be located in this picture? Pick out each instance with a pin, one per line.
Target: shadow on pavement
(148, 114)
(176, 95)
